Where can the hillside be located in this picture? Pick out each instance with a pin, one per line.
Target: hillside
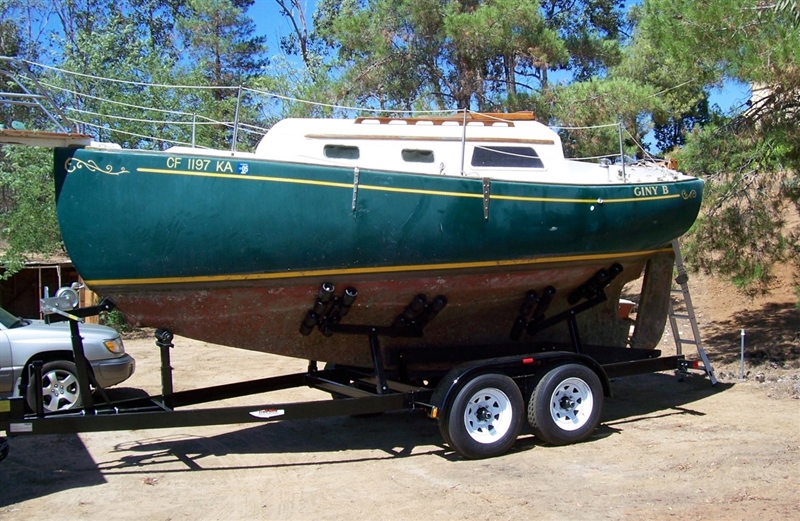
(772, 332)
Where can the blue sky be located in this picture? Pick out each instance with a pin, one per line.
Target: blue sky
(731, 96)
(271, 24)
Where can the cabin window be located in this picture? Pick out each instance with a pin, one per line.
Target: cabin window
(418, 156)
(506, 157)
(341, 152)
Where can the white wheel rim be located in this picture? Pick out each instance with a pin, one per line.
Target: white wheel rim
(487, 415)
(59, 390)
(571, 404)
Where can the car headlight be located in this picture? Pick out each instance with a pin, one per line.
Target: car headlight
(115, 345)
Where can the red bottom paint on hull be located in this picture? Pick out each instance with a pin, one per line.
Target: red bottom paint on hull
(481, 309)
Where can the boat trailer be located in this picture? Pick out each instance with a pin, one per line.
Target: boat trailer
(478, 395)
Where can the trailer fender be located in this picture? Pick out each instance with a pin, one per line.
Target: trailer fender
(519, 367)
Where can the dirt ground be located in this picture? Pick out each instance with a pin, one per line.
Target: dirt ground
(666, 449)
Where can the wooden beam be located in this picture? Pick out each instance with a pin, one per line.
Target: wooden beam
(36, 138)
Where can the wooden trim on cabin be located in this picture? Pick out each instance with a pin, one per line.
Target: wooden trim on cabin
(472, 117)
(431, 138)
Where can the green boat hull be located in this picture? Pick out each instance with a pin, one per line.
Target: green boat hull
(233, 250)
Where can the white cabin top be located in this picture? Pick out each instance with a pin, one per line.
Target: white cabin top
(511, 147)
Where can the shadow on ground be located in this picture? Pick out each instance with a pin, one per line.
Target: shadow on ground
(656, 394)
(38, 466)
(45, 465)
(772, 335)
(49, 464)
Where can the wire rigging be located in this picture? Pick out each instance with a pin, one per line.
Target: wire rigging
(183, 119)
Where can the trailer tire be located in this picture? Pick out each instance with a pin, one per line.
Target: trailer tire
(485, 417)
(566, 405)
(59, 387)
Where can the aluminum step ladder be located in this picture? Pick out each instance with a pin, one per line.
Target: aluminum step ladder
(683, 281)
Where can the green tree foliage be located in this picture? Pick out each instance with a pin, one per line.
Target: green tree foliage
(491, 55)
(750, 162)
(593, 32)
(27, 206)
(744, 40)
(96, 55)
(10, 37)
(600, 102)
(671, 132)
(680, 86)
(742, 230)
(223, 52)
(220, 42)
(200, 43)
(425, 53)
(135, 43)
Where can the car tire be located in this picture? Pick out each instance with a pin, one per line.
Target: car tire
(59, 387)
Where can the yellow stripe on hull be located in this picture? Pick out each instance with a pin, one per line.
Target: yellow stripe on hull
(371, 270)
(403, 190)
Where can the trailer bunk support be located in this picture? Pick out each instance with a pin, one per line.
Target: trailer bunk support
(405, 383)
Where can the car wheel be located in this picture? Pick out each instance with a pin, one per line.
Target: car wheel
(59, 387)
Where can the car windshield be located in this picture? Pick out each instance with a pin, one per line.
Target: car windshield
(9, 320)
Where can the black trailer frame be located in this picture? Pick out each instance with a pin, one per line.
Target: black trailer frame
(398, 385)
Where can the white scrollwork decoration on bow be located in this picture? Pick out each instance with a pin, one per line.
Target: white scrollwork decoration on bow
(74, 164)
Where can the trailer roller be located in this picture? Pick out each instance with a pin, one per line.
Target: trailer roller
(475, 393)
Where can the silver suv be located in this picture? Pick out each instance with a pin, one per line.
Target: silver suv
(23, 341)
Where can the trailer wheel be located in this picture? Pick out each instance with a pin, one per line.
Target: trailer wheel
(59, 387)
(566, 404)
(485, 417)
